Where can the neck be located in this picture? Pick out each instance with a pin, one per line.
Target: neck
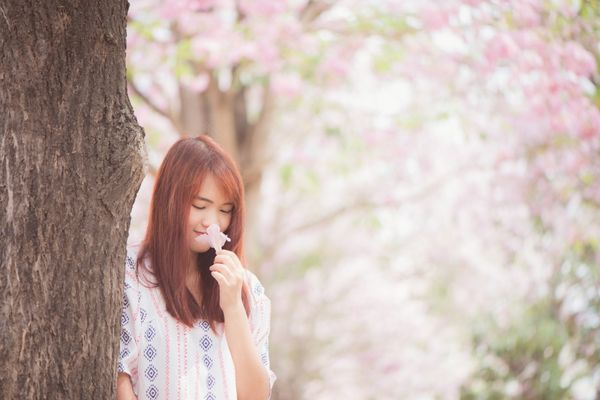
(192, 280)
(193, 267)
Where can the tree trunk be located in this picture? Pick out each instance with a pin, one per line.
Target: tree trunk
(71, 164)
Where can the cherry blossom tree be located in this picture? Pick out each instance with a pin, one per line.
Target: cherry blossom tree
(427, 174)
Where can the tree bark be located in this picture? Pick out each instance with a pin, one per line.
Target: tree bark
(71, 155)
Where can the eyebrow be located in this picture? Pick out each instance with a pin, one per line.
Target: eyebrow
(210, 201)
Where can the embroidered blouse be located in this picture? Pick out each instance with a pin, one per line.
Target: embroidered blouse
(169, 360)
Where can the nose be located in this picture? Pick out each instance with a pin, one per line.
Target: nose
(209, 218)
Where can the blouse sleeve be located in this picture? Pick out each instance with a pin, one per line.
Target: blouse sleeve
(260, 321)
(129, 346)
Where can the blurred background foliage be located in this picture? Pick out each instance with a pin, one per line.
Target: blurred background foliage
(423, 183)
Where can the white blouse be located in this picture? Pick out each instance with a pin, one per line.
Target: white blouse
(169, 360)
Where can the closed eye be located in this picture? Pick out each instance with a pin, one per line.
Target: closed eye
(203, 207)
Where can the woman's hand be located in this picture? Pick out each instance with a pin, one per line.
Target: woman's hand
(251, 376)
(124, 387)
(229, 273)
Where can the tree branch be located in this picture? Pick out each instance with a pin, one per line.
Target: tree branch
(136, 91)
(258, 129)
(365, 204)
(313, 10)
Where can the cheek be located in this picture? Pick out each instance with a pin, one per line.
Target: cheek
(224, 222)
(193, 220)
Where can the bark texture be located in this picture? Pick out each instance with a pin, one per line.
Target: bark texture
(71, 162)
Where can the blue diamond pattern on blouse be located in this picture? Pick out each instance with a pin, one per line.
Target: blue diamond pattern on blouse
(208, 362)
(143, 314)
(150, 352)
(125, 336)
(205, 343)
(150, 333)
(152, 392)
(209, 396)
(151, 372)
(125, 301)
(127, 285)
(124, 353)
(205, 326)
(210, 381)
(264, 359)
(124, 318)
(130, 262)
(120, 367)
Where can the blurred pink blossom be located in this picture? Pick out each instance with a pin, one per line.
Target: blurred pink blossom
(287, 85)
(526, 13)
(173, 9)
(577, 59)
(501, 49)
(436, 16)
(263, 8)
(198, 83)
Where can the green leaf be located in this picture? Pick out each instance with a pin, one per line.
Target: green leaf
(286, 173)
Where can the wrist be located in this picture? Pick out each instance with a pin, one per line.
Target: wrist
(234, 309)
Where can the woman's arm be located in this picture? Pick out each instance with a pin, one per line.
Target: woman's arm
(251, 377)
(252, 381)
(124, 388)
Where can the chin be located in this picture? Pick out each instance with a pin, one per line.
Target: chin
(200, 249)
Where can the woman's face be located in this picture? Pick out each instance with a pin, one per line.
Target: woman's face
(210, 206)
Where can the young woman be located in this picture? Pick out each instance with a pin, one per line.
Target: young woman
(195, 322)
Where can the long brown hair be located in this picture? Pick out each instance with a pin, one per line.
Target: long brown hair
(179, 179)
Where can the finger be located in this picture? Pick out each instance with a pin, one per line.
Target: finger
(233, 257)
(221, 280)
(230, 261)
(224, 259)
(228, 253)
(234, 277)
(224, 270)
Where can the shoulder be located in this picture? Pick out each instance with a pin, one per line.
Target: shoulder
(132, 254)
(132, 262)
(133, 273)
(131, 278)
(132, 270)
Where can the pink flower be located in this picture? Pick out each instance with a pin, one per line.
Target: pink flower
(337, 62)
(267, 55)
(435, 17)
(501, 48)
(527, 13)
(287, 85)
(202, 4)
(173, 9)
(578, 60)
(334, 66)
(215, 237)
(197, 83)
(265, 8)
